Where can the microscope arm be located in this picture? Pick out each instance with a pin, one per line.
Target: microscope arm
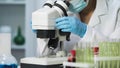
(42, 47)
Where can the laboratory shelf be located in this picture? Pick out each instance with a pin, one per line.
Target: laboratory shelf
(18, 47)
(12, 2)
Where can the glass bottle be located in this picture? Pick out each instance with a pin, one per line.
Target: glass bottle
(19, 38)
(7, 60)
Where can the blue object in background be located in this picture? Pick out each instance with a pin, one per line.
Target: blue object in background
(7, 60)
(8, 66)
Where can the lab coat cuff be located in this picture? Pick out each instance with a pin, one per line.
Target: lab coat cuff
(88, 35)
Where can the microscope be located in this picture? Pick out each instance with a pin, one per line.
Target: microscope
(49, 38)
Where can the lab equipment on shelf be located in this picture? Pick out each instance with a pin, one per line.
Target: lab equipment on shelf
(19, 39)
(7, 60)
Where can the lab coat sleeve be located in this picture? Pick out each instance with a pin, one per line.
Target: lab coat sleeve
(93, 35)
(88, 35)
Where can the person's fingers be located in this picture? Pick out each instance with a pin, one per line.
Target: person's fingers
(63, 26)
(61, 19)
(65, 22)
(66, 30)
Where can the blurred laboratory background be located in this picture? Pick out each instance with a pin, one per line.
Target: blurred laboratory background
(12, 14)
(17, 15)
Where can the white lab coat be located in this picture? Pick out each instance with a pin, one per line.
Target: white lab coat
(105, 21)
(104, 24)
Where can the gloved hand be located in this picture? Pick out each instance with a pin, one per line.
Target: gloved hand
(77, 5)
(71, 24)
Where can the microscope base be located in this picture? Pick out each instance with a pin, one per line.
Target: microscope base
(42, 62)
(40, 66)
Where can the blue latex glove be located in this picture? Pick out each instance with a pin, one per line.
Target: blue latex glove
(77, 5)
(71, 24)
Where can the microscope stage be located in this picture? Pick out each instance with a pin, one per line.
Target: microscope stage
(43, 62)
